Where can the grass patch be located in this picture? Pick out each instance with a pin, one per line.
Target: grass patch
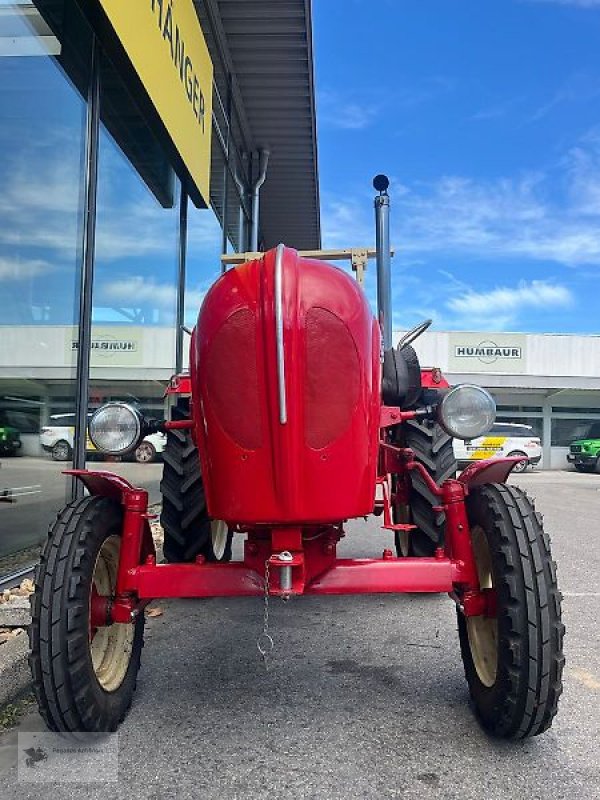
(11, 713)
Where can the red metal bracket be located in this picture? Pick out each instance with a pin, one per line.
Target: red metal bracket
(388, 524)
(390, 415)
(177, 424)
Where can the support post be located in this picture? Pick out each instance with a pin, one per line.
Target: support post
(87, 271)
(181, 265)
(263, 160)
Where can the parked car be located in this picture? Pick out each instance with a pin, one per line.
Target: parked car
(584, 453)
(58, 438)
(504, 439)
(10, 440)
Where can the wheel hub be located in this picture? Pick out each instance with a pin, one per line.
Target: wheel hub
(219, 532)
(110, 646)
(483, 630)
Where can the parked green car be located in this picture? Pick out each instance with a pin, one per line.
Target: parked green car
(10, 440)
(584, 453)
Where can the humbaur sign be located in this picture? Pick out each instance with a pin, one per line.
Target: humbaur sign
(165, 44)
(110, 347)
(476, 352)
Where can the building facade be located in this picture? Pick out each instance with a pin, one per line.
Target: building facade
(133, 136)
(548, 381)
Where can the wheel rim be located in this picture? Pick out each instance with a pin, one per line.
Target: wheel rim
(61, 451)
(219, 532)
(144, 453)
(521, 466)
(482, 630)
(110, 646)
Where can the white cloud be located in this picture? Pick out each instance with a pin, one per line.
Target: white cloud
(535, 216)
(136, 290)
(17, 269)
(509, 300)
(338, 111)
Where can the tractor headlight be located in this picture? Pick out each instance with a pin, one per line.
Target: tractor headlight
(116, 428)
(467, 411)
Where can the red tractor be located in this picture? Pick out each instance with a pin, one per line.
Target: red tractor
(297, 416)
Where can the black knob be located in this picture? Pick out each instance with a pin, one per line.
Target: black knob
(381, 183)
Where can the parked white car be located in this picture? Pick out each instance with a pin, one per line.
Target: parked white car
(504, 439)
(58, 437)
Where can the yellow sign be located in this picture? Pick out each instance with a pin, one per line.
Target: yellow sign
(164, 42)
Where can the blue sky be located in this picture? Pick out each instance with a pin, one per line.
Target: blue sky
(486, 116)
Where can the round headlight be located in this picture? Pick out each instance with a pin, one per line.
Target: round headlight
(115, 428)
(467, 411)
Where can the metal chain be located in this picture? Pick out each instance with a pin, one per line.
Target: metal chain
(264, 643)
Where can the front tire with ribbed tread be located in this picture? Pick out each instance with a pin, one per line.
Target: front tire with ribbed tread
(69, 693)
(521, 699)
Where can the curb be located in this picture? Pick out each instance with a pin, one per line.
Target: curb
(15, 677)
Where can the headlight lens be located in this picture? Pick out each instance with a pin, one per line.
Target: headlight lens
(467, 411)
(115, 428)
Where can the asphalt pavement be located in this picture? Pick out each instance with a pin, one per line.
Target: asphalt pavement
(39, 488)
(365, 697)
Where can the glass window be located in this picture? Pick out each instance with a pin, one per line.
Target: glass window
(43, 67)
(203, 261)
(518, 409)
(536, 425)
(565, 431)
(574, 410)
(135, 280)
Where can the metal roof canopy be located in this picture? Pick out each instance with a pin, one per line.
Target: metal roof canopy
(269, 45)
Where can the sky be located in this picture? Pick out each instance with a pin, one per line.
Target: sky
(485, 114)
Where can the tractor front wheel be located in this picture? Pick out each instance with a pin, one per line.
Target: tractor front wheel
(83, 677)
(513, 657)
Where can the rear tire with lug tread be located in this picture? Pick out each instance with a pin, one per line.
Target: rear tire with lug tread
(81, 686)
(514, 661)
(188, 530)
(432, 447)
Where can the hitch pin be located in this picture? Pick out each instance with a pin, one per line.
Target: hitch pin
(285, 574)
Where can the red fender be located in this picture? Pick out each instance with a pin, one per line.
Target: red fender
(134, 501)
(490, 470)
(106, 484)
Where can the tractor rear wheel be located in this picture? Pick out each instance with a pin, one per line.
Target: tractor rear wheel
(188, 530)
(83, 677)
(432, 447)
(513, 659)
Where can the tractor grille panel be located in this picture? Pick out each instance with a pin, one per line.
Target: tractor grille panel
(232, 379)
(576, 448)
(332, 382)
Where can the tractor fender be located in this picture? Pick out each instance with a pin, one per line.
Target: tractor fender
(490, 470)
(107, 484)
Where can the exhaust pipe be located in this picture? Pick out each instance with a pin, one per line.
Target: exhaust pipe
(263, 157)
(382, 246)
